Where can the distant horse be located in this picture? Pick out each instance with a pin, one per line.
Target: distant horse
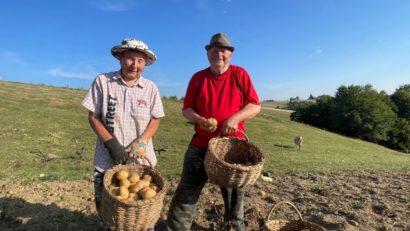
(298, 141)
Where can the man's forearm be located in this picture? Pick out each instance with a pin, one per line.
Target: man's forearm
(248, 112)
(193, 116)
(98, 127)
(150, 130)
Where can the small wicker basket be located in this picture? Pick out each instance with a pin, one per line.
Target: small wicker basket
(290, 225)
(232, 162)
(131, 215)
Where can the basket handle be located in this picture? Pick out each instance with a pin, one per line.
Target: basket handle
(243, 133)
(143, 158)
(240, 131)
(281, 203)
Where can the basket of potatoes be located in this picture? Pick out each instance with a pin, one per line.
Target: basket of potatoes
(132, 197)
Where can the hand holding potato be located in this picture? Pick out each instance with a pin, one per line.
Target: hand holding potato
(209, 124)
(212, 122)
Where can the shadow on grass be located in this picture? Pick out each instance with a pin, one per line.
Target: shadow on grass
(283, 146)
(18, 214)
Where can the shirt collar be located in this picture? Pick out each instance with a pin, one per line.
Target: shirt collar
(142, 82)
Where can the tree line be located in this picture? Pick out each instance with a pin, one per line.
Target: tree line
(362, 112)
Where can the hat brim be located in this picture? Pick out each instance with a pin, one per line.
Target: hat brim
(207, 47)
(151, 58)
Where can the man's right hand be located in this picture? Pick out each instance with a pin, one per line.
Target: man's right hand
(117, 151)
(206, 126)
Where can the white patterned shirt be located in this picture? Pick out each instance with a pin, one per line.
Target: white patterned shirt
(125, 111)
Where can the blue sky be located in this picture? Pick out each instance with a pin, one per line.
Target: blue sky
(290, 48)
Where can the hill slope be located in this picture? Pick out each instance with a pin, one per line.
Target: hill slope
(337, 182)
(40, 120)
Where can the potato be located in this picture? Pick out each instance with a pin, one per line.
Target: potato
(147, 178)
(211, 122)
(125, 183)
(112, 186)
(134, 178)
(115, 191)
(124, 193)
(121, 175)
(154, 187)
(132, 197)
(147, 193)
(138, 186)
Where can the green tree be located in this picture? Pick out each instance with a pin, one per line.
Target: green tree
(362, 112)
(323, 109)
(301, 111)
(401, 99)
(173, 97)
(399, 135)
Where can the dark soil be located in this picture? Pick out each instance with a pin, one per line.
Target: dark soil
(366, 201)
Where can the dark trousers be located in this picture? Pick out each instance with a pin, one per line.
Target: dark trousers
(193, 179)
(98, 188)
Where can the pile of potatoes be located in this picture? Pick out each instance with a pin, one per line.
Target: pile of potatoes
(132, 187)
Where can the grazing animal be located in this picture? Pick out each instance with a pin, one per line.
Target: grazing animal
(298, 141)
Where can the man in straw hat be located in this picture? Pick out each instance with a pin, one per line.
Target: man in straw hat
(224, 92)
(124, 111)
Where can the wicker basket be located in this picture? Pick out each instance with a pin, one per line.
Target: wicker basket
(232, 162)
(131, 215)
(290, 225)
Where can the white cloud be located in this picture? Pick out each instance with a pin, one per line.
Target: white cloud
(318, 51)
(117, 6)
(1, 77)
(11, 57)
(58, 72)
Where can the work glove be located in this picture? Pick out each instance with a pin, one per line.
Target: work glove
(117, 151)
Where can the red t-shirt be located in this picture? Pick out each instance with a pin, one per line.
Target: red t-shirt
(219, 96)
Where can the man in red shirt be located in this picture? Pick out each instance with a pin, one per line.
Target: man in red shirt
(224, 92)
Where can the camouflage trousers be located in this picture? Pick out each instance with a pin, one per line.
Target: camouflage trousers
(193, 179)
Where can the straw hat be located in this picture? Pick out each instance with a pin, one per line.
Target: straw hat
(136, 45)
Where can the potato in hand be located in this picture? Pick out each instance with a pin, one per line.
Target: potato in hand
(211, 122)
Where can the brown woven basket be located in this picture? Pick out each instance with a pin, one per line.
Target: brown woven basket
(232, 162)
(290, 225)
(131, 215)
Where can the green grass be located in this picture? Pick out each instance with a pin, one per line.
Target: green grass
(49, 120)
(282, 104)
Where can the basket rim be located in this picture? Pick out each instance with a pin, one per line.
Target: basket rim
(114, 169)
(270, 221)
(235, 166)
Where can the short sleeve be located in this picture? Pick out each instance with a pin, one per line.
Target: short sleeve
(93, 100)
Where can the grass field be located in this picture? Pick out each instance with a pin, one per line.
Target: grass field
(282, 104)
(39, 120)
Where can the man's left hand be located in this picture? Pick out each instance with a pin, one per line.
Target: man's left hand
(137, 149)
